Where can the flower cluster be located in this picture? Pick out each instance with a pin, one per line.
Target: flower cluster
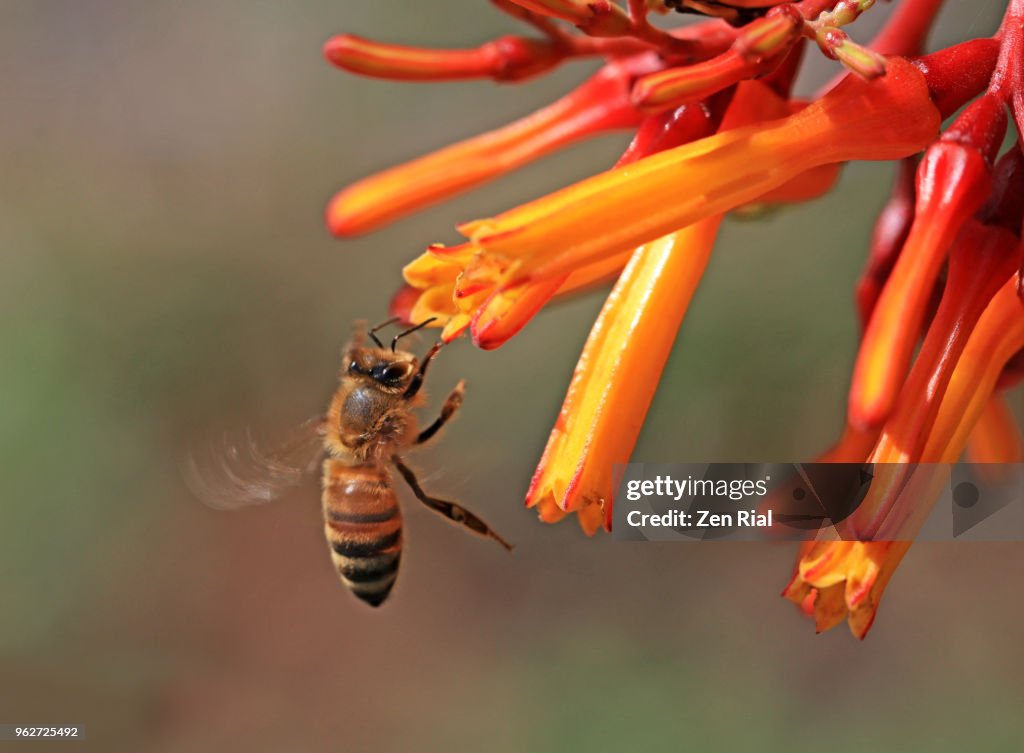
(717, 129)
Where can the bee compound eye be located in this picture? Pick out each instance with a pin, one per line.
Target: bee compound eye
(395, 372)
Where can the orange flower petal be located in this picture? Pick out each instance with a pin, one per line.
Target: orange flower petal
(509, 309)
(455, 327)
(437, 266)
(862, 614)
(434, 302)
(829, 607)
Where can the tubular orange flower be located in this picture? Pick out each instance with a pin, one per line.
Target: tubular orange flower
(617, 374)
(984, 256)
(507, 59)
(461, 289)
(844, 580)
(600, 104)
(887, 118)
(615, 380)
(953, 181)
(462, 286)
(894, 507)
(998, 335)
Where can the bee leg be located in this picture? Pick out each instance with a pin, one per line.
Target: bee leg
(450, 510)
(451, 404)
(417, 380)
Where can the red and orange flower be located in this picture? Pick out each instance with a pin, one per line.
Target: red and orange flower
(717, 129)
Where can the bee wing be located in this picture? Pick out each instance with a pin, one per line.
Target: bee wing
(236, 474)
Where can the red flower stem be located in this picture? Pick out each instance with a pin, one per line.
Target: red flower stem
(1009, 72)
(543, 24)
(703, 40)
(1008, 78)
(643, 30)
(1015, 8)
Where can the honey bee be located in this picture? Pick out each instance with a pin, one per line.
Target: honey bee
(368, 424)
(735, 12)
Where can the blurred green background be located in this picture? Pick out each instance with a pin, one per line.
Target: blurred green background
(166, 276)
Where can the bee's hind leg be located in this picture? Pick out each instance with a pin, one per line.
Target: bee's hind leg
(450, 510)
(451, 404)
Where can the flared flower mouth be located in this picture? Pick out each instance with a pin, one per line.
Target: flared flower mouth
(716, 131)
(844, 580)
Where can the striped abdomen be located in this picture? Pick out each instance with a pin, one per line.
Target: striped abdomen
(364, 528)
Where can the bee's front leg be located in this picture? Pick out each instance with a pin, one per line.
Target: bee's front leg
(451, 404)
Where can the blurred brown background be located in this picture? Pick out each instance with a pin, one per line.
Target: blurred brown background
(166, 276)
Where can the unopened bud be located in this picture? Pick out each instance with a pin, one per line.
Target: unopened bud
(769, 36)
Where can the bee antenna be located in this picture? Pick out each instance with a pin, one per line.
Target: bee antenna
(382, 325)
(400, 335)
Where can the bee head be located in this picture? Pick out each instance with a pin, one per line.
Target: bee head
(392, 371)
(387, 369)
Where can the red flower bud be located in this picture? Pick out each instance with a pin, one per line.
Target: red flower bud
(509, 58)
